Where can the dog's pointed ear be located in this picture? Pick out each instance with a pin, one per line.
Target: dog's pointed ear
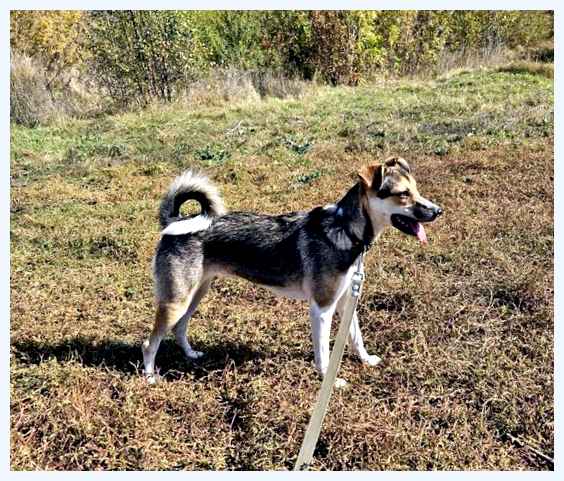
(392, 161)
(371, 176)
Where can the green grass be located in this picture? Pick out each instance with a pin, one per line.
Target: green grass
(465, 325)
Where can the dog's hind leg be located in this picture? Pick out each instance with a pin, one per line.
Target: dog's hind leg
(168, 314)
(180, 330)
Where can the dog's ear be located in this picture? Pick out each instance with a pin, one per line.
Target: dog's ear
(371, 176)
(400, 161)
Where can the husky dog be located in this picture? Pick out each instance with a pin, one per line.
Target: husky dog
(304, 255)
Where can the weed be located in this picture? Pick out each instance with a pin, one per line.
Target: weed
(308, 178)
(212, 155)
(299, 148)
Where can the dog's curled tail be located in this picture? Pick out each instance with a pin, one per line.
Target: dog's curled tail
(190, 186)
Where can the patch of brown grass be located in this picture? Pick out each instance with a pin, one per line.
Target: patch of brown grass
(530, 67)
(233, 86)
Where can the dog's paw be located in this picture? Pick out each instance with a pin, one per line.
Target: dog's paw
(194, 354)
(340, 383)
(151, 379)
(371, 360)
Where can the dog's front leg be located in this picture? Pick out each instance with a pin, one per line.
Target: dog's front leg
(321, 318)
(355, 337)
(357, 344)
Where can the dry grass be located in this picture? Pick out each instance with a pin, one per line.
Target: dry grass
(527, 66)
(38, 97)
(233, 86)
(41, 97)
(472, 59)
(465, 326)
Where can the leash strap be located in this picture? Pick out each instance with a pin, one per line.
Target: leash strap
(314, 427)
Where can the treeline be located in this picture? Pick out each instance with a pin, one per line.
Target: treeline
(136, 56)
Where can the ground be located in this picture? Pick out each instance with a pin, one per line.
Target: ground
(464, 325)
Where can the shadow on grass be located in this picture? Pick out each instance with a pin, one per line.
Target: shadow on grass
(127, 358)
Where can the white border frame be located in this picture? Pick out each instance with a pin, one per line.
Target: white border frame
(274, 5)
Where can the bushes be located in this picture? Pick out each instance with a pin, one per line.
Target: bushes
(48, 67)
(144, 54)
(53, 37)
(335, 37)
(409, 42)
(232, 39)
(138, 56)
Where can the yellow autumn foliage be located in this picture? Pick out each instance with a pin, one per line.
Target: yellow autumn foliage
(55, 36)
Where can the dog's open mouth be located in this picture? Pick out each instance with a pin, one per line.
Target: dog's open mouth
(410, 227)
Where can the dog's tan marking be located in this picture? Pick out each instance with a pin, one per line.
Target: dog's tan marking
(168, 314)
(324, 291)
(404, 185)
(371, 176)
(393, 161)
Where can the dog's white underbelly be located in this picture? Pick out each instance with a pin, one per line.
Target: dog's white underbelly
(304, 291)
(293, 292)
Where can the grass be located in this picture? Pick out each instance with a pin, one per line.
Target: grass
(464, 326)
(545, 69)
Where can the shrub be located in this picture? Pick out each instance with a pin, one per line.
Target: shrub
(335, 36)
(232, 38)
(55, 38)
(289, 42)
(47, 67)
(140, 55)
(413, 41)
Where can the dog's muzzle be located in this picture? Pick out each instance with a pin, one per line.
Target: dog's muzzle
(413, 224)
(424, 213)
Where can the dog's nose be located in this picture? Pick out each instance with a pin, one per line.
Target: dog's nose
(439, 212)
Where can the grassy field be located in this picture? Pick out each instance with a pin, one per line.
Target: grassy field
(464, 325)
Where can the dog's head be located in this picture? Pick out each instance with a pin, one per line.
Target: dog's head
(391, 197)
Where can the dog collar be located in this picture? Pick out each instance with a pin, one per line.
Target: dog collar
(365, 242)
(368, 234)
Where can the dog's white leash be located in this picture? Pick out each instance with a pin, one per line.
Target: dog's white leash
(314, 427)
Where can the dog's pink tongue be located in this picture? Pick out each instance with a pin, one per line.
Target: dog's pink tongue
(420, 233)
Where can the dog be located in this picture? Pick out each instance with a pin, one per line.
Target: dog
(305, 255)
